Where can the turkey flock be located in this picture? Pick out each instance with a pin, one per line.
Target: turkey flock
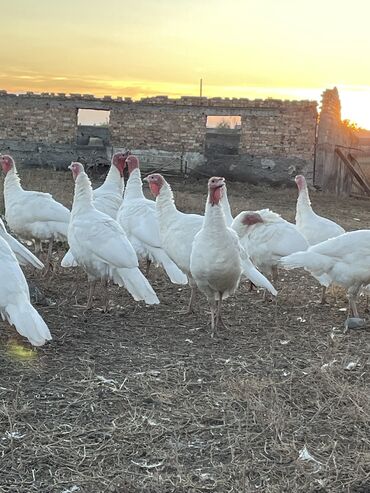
(111, 228)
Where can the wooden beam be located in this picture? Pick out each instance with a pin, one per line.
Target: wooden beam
(363, 184)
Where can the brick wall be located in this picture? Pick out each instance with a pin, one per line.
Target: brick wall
(158, 127)
(36, 120)
(275, 136)
(288, 130)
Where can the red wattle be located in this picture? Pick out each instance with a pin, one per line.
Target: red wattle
(154, 188)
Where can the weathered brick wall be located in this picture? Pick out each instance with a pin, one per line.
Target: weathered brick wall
(269, 127)
(158, 127)
(288, 130)
(36, 119)
(277, 138)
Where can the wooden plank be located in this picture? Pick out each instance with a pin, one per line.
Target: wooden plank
(364, 185)
(359, 196)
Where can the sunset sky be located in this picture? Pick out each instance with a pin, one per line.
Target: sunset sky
(289, 49)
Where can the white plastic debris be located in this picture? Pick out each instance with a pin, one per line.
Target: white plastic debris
(351, 365)
(284, 343)
(72, 489)
(154, 373)
(12, 434)
(325, 366)
(305, 455)
(144, 464)
(205, 476)
(189, 341)
(107, 381)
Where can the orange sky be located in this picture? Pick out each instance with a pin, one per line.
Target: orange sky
(291, 49)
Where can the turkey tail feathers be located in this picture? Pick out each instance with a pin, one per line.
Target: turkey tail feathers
(174, 273)
(28, 323)
(137, 285)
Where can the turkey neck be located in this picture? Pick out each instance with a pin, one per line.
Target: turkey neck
(165, 204)
(114, 178)
(304, 208)
(214, 218)
(83, 196)
(12, 185)
(226, 207)
(134, 186)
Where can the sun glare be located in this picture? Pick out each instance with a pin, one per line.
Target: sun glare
(356, 105)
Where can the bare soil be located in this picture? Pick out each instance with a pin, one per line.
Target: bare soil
(142, 399)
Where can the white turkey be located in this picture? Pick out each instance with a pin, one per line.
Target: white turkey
(267, 237)
(217, 259)
(108, 197)
(32, 215)
(15, 306)
(100, 246)
(177, 231)
(313, 227)
(344, 260)
(138, 217)
(23, 255)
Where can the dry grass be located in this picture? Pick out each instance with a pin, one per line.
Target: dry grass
(142, 399)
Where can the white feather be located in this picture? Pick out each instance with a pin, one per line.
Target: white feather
(137, 216)
(33, 215)
(313, 227)
(23, 255)
(15, 303)
(100, 246)
(269, 240)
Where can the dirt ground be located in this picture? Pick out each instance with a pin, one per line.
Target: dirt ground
(142, 399)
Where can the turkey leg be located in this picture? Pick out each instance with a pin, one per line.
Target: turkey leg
(148, 264)
(91, 295)
(48, 261)
(104, 284)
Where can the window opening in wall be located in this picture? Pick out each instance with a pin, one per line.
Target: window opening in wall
(227, 122)
(222, 135)
(93, 127)
(96, 118)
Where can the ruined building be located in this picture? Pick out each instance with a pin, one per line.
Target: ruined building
(272, 139)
